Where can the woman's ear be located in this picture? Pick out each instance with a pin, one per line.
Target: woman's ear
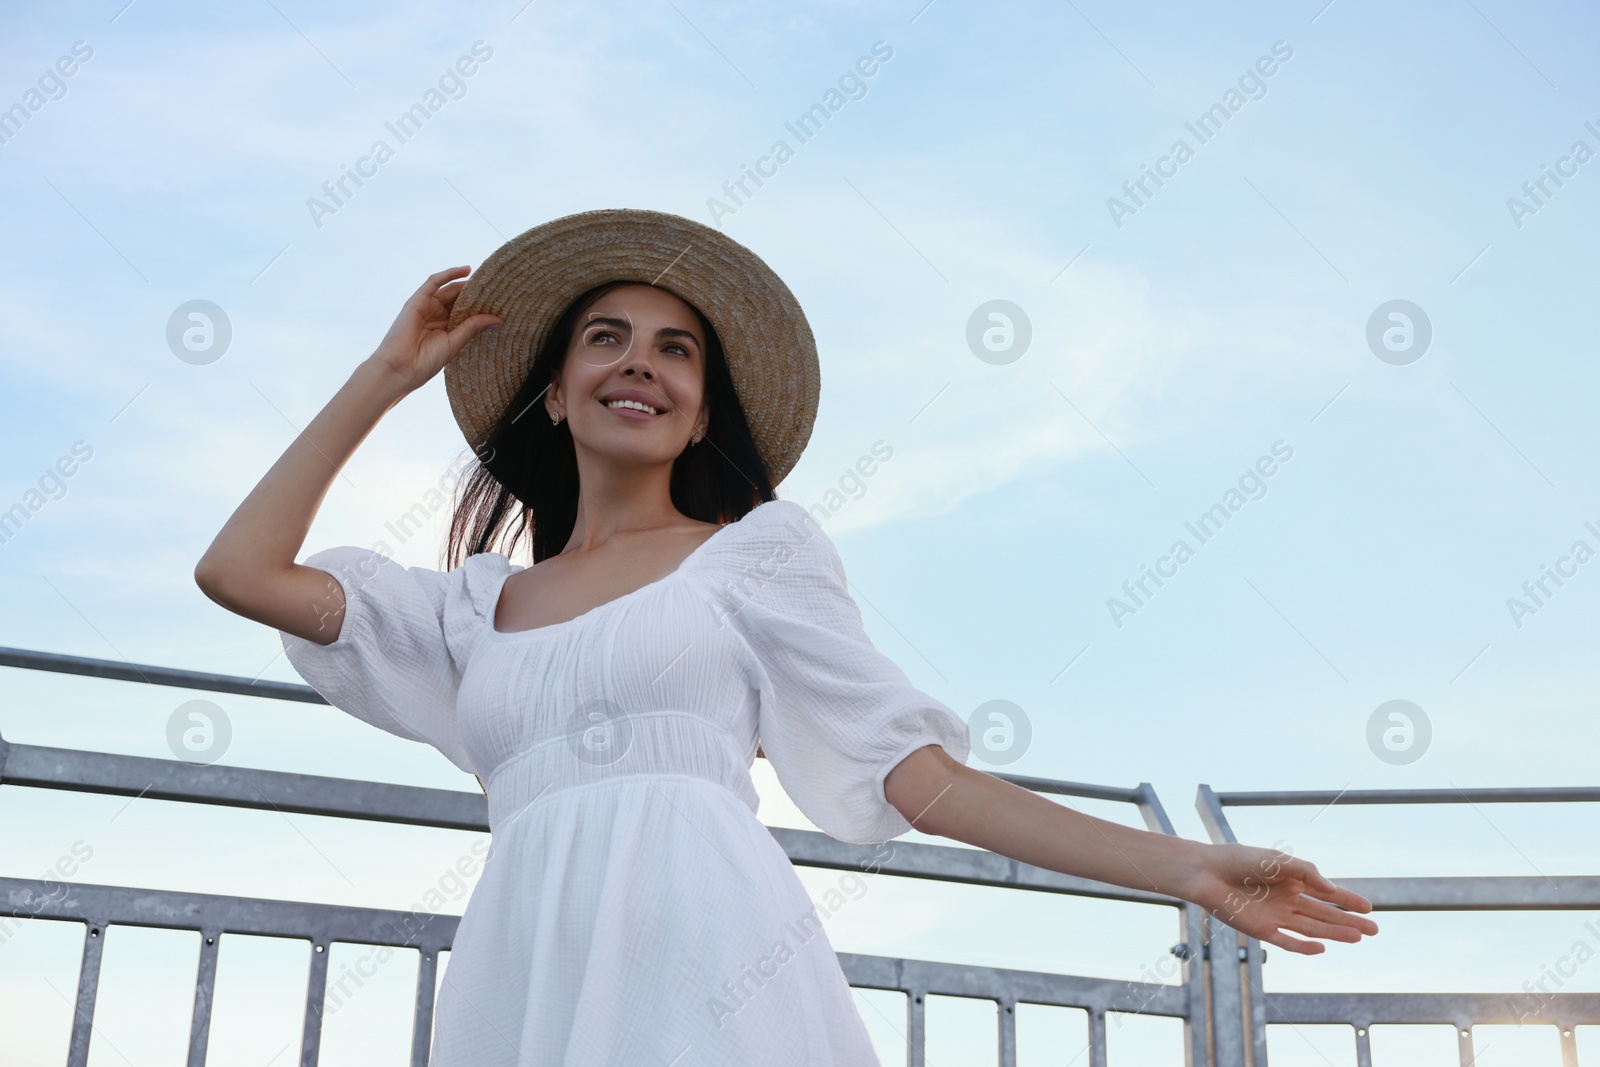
(553, 403)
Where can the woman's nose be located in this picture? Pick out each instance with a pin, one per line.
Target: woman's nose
(638, 363)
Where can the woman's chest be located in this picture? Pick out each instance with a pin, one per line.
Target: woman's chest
(664, 650)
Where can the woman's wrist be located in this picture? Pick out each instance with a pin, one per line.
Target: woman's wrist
(1188, 868)
(382, 380)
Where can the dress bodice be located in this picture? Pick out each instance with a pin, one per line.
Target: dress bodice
(754, 638)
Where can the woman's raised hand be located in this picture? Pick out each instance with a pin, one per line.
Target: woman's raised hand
(418, 345)
(1268, 895)
(250, 568)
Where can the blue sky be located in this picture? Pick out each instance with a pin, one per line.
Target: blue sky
(1171, 348)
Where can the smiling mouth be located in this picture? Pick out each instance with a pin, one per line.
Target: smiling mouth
(634, 408)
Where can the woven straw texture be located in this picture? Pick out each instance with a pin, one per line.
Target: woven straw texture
(529, 281)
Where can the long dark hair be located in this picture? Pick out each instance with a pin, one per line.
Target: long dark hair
(525, 481)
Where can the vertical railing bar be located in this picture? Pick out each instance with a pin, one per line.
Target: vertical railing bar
(1097, 1037)
(1569, 1043)
(1155, 816)
(916, 1028)
(1191, 919)
(1227, 1008)
(422, 1018)
(1211, 813)
(316, 990)
(204, 989)
(1008, 1032)
(1254, 954)
(1464, 1043)
(1364, 1046)
(88, 987)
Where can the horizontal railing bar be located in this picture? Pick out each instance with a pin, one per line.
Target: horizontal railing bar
(1530, 893)
(1456, 1009)
(165, 909)
(1516, 795)
(122, 671)
(1029, 987)
(1073, 789)
(432, 933)
(41, 767)
(945, 863)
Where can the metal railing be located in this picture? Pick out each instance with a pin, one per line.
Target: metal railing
(1258, 1007)
(96, 906)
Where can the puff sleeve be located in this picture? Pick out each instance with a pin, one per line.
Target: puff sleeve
(835, 713)
(404, 641)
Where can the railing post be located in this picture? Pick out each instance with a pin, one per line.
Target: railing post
(1097, 1037)
(1008, 1032)
(94, 943)
(1192, 971)
(316, 993)
(204, 986)
(422, 1018)
(1569, 1044)
(1227, 1004)
(1364, 1047)
(1256, 1000)
(1191, 932)
(916, 1028)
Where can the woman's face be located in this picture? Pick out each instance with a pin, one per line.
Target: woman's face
(636, 345)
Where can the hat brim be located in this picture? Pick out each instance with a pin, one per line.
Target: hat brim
(529, 281)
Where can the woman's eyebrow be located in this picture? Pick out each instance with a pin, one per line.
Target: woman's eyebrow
(673, 331)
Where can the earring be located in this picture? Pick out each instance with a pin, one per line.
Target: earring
(695, 438)
(555, 420)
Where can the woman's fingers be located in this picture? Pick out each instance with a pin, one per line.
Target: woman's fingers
(1310, 905)
(435, 287)
(1292, 944)
(466, 331)
(1319, 886)
(1304, 924)
(1264, 920)
(450, 290)
(1307, 872)
(1348, 899)
(438, 278)
(1276, 929)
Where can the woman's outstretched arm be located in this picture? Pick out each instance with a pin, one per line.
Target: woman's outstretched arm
(250, 567)
(1259, 891)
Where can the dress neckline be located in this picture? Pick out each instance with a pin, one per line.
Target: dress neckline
(499, 588)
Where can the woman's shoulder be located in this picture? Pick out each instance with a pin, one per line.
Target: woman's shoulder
(479, 577)
(770, 525)
(470, 593)
(776, 542)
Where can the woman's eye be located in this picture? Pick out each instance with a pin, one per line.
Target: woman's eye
(593, 337)
(680, 348)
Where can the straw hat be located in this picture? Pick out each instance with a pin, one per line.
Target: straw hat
(530, 280)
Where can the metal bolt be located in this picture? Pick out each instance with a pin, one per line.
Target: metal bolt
(1180, 950)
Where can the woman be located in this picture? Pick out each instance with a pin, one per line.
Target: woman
(676, 619)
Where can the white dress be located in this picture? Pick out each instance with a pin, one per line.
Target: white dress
(633, 909)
